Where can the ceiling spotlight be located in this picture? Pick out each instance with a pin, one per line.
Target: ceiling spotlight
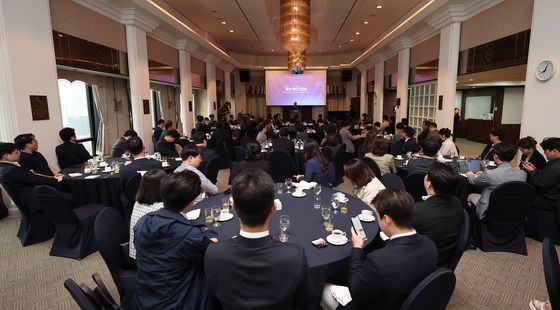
(272, 50)
(231, 30)
(340, 46)
(379, 6)
(60, 35)
(320, 50)
(470, 80)
(357, 32)
(223, 22)
(351, 40)
(366, 22)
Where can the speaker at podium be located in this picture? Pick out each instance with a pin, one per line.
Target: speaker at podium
(295, 113)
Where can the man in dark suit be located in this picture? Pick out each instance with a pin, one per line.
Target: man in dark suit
(135, 146)
(70, 153)
(167, 145)
(385, 277)
(253, 270)
(199, 139)
(119, 147)
(496, 136)
(283, 143)
(440, 217)
(30, 158)
(422, 164)
(157, 131)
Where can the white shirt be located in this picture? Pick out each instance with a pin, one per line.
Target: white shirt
(138, 211)
(410, 233)
(448, 148)
(254, 235)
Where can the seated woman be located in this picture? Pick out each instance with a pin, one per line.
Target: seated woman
(447, 148)
(366, 185)
(317, 167)
(253, 158)
(378, 150)
(331, 142)
(529, 153)
(148, 199)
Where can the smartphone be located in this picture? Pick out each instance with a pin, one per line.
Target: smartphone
(358, 227)
(319, 243)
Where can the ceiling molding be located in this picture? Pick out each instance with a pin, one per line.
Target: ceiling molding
(105, 8)
(473, 8)
(134, 17)
(377, 58)
(400, 43)
(163, 37)
(187, 45)
(423, 34)
(212, 59)
(459, 12)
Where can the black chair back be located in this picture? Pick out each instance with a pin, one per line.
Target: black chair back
(226, 155)
(372, 165)
(327, 152)
(243, 142)
(502, 227)
(130, 190)
(397, 148)
(85, 301)
(461, 243)
(338, 162)
(240, 153)
(414, 185)
(433, 292)
(60, 209)
(392, 181)
(551, 272)
(281, 165)
(212, 169)
(103, 294)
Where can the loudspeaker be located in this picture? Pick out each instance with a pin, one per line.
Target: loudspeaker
(244, 75)
(346, 75)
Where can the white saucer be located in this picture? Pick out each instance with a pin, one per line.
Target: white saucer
(343, 199)
(107, 170)
(338, 242)
(295, 194)
(366, 219)
(225, 217)
(193, 214)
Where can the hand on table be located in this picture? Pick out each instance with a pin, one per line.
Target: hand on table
(299, 176)
(471, 174)
(59, 177)
(357, 241)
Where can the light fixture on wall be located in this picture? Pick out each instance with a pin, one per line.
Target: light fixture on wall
(295, 21)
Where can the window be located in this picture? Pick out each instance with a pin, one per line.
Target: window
(156, 106)
(421, 103)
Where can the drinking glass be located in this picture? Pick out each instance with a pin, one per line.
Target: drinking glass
(325, 212)
(335, 203)
(208, 219)
(288, 183)
(284, 225)
(225, 203)
(216, 211)
(317, 189)
(116, 167)
(483, 164)
(343, 207)
(157, 155)
(279, 188)
(94, 167)
(87, 167)
(329, 224)
(317, 202)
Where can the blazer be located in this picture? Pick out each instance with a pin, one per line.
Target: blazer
(207, 154)
(440, 218)
(421, 165)
(314, 172)
(368, 192)
(141, 164)
(155, 136)
(547, 181)
(490, 179)
(36, 162)
(488, 152)
(70, 154)
(167, 148)
(259, 273)
(410, 145)
(255, 164)
(386, 163)
(536, 159)
(20, 183)
(283, 144)
(170, 260)
(386, 276)
(118, 148)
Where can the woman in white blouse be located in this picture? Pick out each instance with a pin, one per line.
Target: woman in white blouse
(366, 185)
(447, 148)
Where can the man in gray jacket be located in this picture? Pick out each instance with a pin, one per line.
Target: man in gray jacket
(490, 179)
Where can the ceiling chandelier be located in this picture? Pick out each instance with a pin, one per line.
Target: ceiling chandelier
(296, 62)
(295, 20)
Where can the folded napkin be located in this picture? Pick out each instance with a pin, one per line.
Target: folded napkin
(128, 162)
(278, 204)
(305, 185)
(178, 158)
(73, 175)
(341, 294)
(193, 214)
(92, 176)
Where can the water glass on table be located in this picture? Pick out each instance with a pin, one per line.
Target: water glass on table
(208, 219)
(216, 212)
(335, 203)
(317, 189)
(288, 183)
(284, 225)
(317, 202)
(225, 203)
(279, 188)
(343, 207)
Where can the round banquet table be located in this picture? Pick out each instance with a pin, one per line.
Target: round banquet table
(104, 189)
(306, 224)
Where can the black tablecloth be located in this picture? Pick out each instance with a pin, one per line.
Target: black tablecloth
(305, 226)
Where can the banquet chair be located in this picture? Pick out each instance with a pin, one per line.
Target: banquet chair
(461, 243)
(35, 226)
(414, 185)
(281, 165)
(392, 181)
(541, 224)
(110, 232)
(502, 227)
(103, 295)
(338, 162)
(244, 140)
(433, 292)
(372, 165)
(212, 169)
(3, 208)
(327, 152)
(86, 301)
(225, 153)
(239, 153)
(551, 272)
(74, 225)
(130, 191)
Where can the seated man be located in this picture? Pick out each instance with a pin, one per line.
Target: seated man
(283, 143)
(135, 146)
(21, 181)
(433, 133)
(406, 144)
(70, 153)
(253, 270)
(496, 136)
(30, 158)
(167, 146)
(422, 164)
(547, 180)
(200, 140)
(261, 136)
(167, 126)
(385, 277)
(157, 131)
(119, 147)
(191, 161)
(490, 179)
(440, 217)
(170, 250)
(399, 134)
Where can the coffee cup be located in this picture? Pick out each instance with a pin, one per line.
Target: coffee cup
(338, 235)
(367, 213)
(298, 191)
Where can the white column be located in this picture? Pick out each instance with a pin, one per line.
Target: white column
(402, 82)
(139, 82)
(211, 95)
(186, 89)
(227, 84)
(447, 74)
(240, 95)
(540, 103)
(378, 91)
(363, 89)
(28, 67)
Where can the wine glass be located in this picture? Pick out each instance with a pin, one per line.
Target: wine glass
(335, 203)
(157, 155)
(216, 211)
(284, 225)
(317, 189)
(325, 212)
(288, 183)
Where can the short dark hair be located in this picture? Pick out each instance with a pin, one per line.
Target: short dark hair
(385, 117)
(506, 152)
(66, 133)
(134, 145)
(358, 172)
(6, 148)
(260, 127)
(498, 133)
(377, 124)
(400, 126)
(284, 132)
(433, 124)
(173, 133)
(409, 131)
(429, 147)
(21, 140)
(160, 121)
(380, 146)
(148, 192)
(446, 132)
(404, 121)
(331, 140)
(168, 124)
(211, 115)
(527, 143)
(198, 137)
(397, 204)
(180, 189)
(551, 144)
(253, 195)
(190, 151)
(253, 151)
(130, 133)
(443, 178)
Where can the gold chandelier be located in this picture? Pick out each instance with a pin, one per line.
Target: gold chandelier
(295, 20)
(296, 60)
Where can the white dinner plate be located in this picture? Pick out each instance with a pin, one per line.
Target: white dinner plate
(331, 239)
(225, 217)
(366, 219)
(193, 214)
(298, 194)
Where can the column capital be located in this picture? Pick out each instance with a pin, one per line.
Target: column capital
(363, 66)
(401, 43)
(377, 58)
(212, 59)
(229, 68)
(186, 45)
(133, 17)
(456, 13)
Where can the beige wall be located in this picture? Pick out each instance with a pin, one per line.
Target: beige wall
(219, 74)
(391, 65)
(198, 66)
(162, 52)
(425, 51)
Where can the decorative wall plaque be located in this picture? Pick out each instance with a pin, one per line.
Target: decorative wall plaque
(146, 104)
(39, 107)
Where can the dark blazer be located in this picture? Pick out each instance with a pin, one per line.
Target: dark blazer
(536, 159)
(20, 183)
(420, 165)
(284, 144)
(410, 145)
(207, 154)
(70, 154)
(167, 148)
(488, 152)
(118, 148)
(142, 164)
(259, 273)
(547, 181)
(255, 164)
(386, 276)
(170, 259)
(440, 218)
(36, 162)
(156, 135)
(314, 173)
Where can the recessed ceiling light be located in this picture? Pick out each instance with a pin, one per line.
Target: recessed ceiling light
(272, 50)
(223, 22)
(231, 30)
(473, 86)
(351, 40)
(340, 46)
(320, 50)
(60, 35)
(357, 32)
(470, 80)
(366, 22)
(379, 6)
